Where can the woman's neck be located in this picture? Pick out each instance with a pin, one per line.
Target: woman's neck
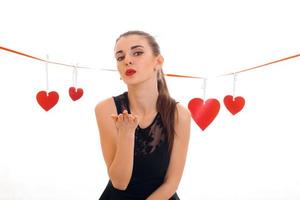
(142, 99)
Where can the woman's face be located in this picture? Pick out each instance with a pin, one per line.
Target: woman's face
(135, 59)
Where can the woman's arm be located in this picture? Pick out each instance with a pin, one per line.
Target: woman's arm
(117, 142)
(178, 156)
(120, 170)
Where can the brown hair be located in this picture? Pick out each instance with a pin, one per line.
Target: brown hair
(165, 104)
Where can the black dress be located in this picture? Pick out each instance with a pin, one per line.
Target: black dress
(151, 160)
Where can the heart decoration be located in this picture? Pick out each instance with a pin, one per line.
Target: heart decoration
(75, 94)
(202, 112)
(234, 105)
(47, 100)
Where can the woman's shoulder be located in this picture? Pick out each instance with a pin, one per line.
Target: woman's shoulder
(107, 105)
(104, 103)
(183, 121)
(183, 111)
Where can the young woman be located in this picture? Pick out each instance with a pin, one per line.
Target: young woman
(144, 133)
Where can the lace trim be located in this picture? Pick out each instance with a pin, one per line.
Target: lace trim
(148, 139)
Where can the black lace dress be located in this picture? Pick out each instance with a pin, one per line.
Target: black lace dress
(151, 160)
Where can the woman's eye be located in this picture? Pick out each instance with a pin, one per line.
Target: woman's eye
(120, 58)
(135, 54)
(138, 53)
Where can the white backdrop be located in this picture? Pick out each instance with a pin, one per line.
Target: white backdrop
(56, 155)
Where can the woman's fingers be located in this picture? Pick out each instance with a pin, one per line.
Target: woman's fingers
(131, 118)
(125, 116)
(136, 119)
(120, 117)
(114, 117)
(125, 119)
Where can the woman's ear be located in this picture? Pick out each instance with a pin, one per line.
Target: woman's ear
(159, 62)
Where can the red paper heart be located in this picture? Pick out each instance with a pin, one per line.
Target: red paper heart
(47, 100)
(75, 94)
(234, 105)
(204, 113)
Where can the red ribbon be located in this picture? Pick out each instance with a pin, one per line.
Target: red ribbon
(171, 75)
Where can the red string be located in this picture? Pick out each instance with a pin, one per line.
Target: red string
(263, 65)
(171, 75)
(20, 53)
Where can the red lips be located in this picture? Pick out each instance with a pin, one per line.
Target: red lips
(130, 72)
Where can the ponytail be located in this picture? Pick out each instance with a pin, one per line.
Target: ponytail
(166, 106)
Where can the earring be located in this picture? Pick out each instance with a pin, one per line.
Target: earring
(120, 78)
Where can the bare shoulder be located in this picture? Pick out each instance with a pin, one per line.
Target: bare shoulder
(180, 146)
(184, 114)
(103, 110)
(183, 121)
(105, 106)
(107, 129)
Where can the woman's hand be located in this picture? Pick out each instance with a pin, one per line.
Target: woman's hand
(126, 123)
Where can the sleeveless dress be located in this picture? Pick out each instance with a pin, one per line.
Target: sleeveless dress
(150, 163)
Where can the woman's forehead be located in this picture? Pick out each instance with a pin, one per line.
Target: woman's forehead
(125, 43)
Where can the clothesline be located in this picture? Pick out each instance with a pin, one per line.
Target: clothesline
(167, 74)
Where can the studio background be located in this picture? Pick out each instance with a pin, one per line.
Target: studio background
(56, 155)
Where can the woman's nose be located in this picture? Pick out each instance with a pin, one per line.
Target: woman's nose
(128, 60)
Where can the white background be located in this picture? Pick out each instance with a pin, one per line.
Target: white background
(56, 155)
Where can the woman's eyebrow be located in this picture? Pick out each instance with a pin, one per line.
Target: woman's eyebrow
(133, 47)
